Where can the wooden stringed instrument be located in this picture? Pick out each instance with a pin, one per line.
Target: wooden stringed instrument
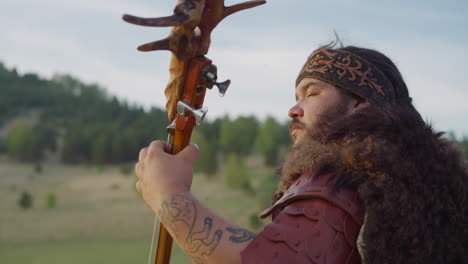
(191, 73)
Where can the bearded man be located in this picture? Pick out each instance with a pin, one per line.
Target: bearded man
(367, 180)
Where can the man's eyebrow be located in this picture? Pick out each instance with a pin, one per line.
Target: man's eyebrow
(304, 88)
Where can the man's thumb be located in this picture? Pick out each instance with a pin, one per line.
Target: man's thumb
(190, 153)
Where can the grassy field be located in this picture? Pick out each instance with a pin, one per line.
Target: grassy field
(99, 217)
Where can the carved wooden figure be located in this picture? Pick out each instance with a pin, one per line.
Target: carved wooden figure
(192, 22)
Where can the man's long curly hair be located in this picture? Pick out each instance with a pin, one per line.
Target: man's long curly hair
(412, 180)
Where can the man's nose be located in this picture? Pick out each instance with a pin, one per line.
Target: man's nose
(296, 112)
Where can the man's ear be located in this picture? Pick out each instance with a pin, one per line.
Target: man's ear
(360, 105)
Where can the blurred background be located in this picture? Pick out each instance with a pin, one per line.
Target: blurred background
(78, 101)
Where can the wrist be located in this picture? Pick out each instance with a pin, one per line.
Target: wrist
(167, 196)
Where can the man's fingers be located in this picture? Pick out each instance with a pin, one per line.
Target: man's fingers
(138, 186)
(167, 148)
(142, 154)
(189, 153)
(156, 147)
(137, 169)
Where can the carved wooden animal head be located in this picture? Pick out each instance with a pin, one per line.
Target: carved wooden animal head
(192, 22)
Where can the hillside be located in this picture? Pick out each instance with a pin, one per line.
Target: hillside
(91, 125)
(82, 123)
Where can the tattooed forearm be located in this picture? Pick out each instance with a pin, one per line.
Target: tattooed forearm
(178, 210)
(198, 242)
(204, 242)
(240, 235)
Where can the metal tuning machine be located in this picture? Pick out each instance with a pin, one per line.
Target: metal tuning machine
(210, 74)
(183, 109)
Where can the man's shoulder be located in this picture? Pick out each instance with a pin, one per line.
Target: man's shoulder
(312, 224)
(310, 186)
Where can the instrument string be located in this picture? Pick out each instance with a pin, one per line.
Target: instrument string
(152, 240)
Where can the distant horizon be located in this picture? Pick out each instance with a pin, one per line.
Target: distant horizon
(209, 118)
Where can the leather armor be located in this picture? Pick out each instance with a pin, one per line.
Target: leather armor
(311, 224)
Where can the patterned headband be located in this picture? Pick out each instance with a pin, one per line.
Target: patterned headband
(348, 71)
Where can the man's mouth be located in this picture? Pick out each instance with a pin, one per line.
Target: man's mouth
(294, 133)
(294, 128)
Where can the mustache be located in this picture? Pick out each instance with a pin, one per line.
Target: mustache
(296, 123)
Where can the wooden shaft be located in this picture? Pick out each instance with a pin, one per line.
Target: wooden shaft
(181, 138)
(164, 249)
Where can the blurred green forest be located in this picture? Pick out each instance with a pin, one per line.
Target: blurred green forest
(80, 123)
(76, 123)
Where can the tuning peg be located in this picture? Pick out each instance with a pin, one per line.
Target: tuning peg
(210, 74)
(183, 108)
(200, 115)
(222, 87)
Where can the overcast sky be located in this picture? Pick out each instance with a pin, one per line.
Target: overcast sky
(261, 50)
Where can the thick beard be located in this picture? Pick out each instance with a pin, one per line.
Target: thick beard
(299, 159)
(325, 121)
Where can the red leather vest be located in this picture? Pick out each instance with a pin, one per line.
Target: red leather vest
(311, 224)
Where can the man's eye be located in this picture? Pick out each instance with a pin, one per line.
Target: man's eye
(311, 94)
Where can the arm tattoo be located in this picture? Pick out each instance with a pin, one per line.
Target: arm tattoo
(178, 210)
(240, 235)
(198, 243)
